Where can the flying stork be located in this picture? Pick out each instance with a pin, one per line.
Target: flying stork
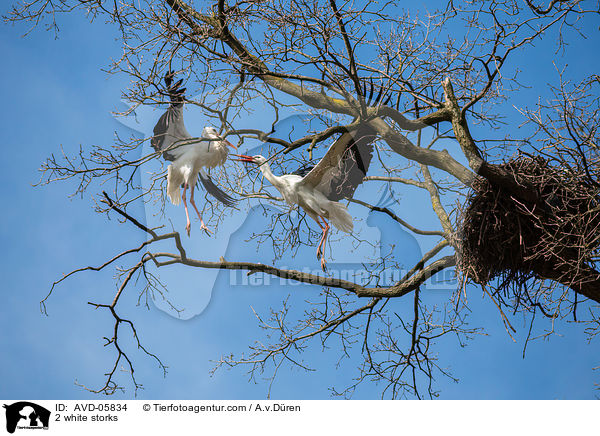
(318, 190)
(189, 155)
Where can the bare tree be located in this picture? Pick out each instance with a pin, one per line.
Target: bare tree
(525, 226)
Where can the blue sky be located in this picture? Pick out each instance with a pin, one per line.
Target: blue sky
(55, 95)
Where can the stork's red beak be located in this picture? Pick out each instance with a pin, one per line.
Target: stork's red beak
(244, 158)
(229, 143)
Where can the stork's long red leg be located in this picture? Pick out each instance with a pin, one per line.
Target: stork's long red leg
(202, 225)
(321, 240)
(188, 226)
(321, 247)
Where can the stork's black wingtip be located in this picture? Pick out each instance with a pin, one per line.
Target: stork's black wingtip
(231, 202)
(176, 85)
(169, 78)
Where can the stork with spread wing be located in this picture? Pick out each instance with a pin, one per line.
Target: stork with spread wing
(335, 177)
(189, 156)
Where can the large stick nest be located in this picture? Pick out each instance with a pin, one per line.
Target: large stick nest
(503, 236)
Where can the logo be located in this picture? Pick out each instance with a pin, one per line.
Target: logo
(26, 415)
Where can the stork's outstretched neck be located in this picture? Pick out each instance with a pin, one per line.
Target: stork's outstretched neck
(265, 169)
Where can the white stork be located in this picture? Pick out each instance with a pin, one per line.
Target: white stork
(318, 190)
(189, 155)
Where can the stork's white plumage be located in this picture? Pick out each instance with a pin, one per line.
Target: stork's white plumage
(336, 176)
(190, 156)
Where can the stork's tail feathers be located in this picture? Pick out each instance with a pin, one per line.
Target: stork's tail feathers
(174, 180)
(340, 218)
